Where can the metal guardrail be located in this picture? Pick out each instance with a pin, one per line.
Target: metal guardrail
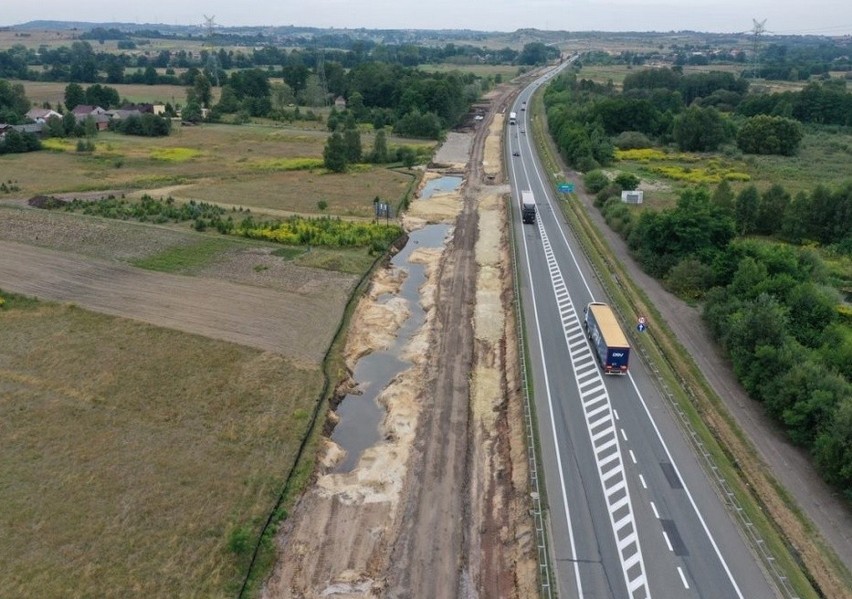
(711, 469)
(540, 532)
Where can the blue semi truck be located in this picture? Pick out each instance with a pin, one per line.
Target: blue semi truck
(607, 338)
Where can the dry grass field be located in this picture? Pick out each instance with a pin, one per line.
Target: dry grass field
(39, 92)
(234, 165)
(137, 461)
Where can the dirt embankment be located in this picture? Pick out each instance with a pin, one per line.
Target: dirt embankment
(438, 507)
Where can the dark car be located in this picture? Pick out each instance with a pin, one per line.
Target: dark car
(516, 153)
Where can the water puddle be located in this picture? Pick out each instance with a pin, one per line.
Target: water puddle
(441, 184)
(360, 414)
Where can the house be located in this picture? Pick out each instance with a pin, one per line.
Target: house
(35, 128)
(40, 115)
(340, 103)
(83, 111)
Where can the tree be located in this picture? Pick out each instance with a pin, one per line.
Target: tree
(723, 197)
(746, 208)
(699, 129)
(379, 155)
(13, 102)
(627, 181)
(771, 208)
(352, 140)
(595, 181)
(764, 134)
(282, 95)
(203, 90)
(74, 95)
(334, 154)
(102, 95)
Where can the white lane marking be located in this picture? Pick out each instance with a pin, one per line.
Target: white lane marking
(682, 578)
(656, 513)
(668, 543)
(560, 227)
(624, 435)
(642, 480)
(615, 413)
(633, 456)
(573, 556)
(600, 425)
(686, 490)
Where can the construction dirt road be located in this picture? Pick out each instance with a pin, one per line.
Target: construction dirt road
(440, 503)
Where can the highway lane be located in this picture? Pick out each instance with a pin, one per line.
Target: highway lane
(631, 512)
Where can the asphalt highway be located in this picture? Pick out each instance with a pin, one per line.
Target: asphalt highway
(630, 511)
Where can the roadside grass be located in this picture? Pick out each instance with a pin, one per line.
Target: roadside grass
(787, 534)
(136, 453)
(347, 260)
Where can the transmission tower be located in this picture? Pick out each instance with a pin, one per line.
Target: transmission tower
(321, 80)
(758, 29)
(212, 58)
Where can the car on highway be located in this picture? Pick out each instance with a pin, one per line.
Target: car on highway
(516, 153)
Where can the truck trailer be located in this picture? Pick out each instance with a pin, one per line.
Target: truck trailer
(527, 207)
(607, 338)
(513, 118)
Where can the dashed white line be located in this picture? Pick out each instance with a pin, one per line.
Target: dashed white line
(633, 456)
(615, 413)
(656, 513)
(682, 578)
(668, 543)
(623, 434)
(642, 480)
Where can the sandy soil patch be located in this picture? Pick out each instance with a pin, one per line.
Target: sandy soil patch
(492, 162)
(454, 152)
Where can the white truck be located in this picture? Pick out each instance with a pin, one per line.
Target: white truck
(513, 118)
(527, 207)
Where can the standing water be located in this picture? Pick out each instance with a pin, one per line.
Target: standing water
(360, 414)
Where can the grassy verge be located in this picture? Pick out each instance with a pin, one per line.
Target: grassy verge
(779, 522)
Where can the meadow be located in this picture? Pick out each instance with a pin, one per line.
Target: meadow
(823, 158)
(145, 460)
(260, 166)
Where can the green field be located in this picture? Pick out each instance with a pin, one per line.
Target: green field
(144, 460)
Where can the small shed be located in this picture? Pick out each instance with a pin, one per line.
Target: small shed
(632, 197)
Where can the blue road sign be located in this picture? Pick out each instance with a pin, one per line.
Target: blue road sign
(640, 327)
(565, 187)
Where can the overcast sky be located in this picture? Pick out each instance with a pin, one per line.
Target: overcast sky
(827, 17)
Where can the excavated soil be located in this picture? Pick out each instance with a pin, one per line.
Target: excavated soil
(438, 507)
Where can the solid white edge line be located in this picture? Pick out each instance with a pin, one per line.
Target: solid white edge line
(549, 398)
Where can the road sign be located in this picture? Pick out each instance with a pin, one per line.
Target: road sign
(641, 325)
(565, 188)
(641, 320)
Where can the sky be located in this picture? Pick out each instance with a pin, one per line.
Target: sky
(818, 17)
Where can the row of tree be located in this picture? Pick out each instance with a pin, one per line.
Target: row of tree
(766, 301)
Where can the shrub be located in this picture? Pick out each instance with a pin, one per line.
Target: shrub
(632, 140)
(595, 181)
